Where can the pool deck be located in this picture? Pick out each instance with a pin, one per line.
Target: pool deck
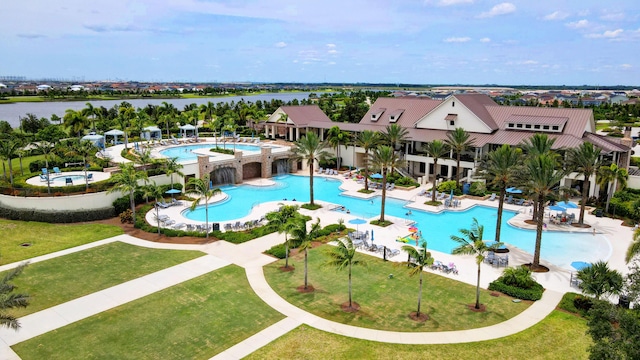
(97, 176)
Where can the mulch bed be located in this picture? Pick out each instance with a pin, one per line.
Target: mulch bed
(355, 307)
(422, 318)
(302, 290)
(538, 269)
(287, 268)
(472, 307)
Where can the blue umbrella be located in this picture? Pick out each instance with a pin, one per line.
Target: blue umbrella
(173, 191)
(568, 204)
(557, 208)
(376, 176)
(357, 222)
(513, 190)
(579, 265)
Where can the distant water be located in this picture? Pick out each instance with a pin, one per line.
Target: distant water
(13, 112)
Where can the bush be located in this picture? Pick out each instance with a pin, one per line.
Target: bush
(583, 304)
(477, 188)
(447, 186)
(524, 294)
(518, 282)
(406, 181)
(126, 216)
(66, 216)
(277, 251)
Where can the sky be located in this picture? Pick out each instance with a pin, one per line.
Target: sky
(571, 42)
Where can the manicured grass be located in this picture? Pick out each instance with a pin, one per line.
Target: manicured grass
(65, 278)
(386, 302)
(558, 336)
(46, 238)
(15, 164)
(193, 320)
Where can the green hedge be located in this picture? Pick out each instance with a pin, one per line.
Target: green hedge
(67, 216)
(534, 293)
(277, 251)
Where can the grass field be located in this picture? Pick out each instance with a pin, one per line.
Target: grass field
(558, 336)
(68, 277)
(386, 302)
(47, 238)
(15, 164)
(193, 320)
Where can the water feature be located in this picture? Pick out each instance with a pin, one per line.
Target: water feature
(13, 112)
(223, 176)
(282, 166)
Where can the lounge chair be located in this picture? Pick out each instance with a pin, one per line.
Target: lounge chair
(492, 197)
(178, 225)
(392, 186)
(519, 202)
(422, 192)
(43, 178)
(510, 199)
(45, 171)
(68, 181)
(57, 170)
(319, 171)
(90, 177)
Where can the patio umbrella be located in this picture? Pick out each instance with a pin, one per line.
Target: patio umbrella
(568, 204)
(579, 265)
(173, 191)
(451, 197)
(372, 236)
(357, 222)
(557, 208)
(376, 176)
(513, 190)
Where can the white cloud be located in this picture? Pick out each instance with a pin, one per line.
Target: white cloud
(281, 44)
(457, 39)
(612, 16)
(580, 24)
(331, 45)
(556, 15)
(485, 40)
(453, 2)
(333, 51)
(500, 9)
(609, 34)
(626, 66)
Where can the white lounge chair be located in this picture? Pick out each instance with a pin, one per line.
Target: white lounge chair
(492, 197)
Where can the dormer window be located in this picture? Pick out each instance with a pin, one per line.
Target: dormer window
(451, 118)
(376, 114)
(395, 115)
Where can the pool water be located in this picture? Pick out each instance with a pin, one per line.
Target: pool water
(185, 152)
(559, 248)
(62, 179)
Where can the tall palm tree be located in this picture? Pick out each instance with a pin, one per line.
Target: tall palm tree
(283, 221)
(436, 149)
(385, 159)
(208, 110)
(46, 148)
(8, 151)
(172, 166)
(614, 177)
(500, 168)
(92, 112)
(156, 192)
(539, 144)
(585, 160)
(203, 192)
(126, 181)
(459, 140)
(420, 258)
(75, 121)
(125, 118)
(309, 148)
(300, 234)
(85, 149)
(335, 137)
(367, 140)
(472, 243)
(168, 112)
(634, 247)
(9, 300)
(395, 135)
(342, 256)
(542, 178)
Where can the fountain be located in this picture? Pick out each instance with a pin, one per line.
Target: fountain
(282, 166)
(222, 176)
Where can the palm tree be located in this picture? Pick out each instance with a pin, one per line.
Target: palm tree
(75, 121)
(300, 234)
(168, 112)
(420, 258)
(500, 169)
(367, 140)
(385, 159)
(126, 116)
(172, 166)
(8, 151)
(126, 181)
(539, 144)
(208, 110)
(613, 176)
(9, 300)
(342, 256)
(283, 220)
(92, 112)
(335, 137)
(395, 135)
(155, 191)
(459, 140)
(597, 280)
(436, 149)
(85, 149)
(634, 247)
(542, 179)
(309, 148)
(472, 243)
(585, 160)
(46, 148)
(202, 191)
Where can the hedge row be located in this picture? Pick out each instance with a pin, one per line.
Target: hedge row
(67, 216)
(535, 293)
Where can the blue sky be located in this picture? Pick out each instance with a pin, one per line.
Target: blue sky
(541, 42)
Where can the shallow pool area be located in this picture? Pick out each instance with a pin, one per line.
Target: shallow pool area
(559, 248)
(186, 153)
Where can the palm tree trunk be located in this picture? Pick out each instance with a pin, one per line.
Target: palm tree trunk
(384, 194)
(286, 252)
(435, 177)
(86, 181)
(500, 208)
(311, 183)
(158, 214)
(206, 218)
(10, 172)
(585, 192)
(132, 202)
(539, 222)
(366, 170)
(458, 169)
(419, 297)
(349, 283)
(21, 172)
(610, 192)
(478, 289)
(305, 268)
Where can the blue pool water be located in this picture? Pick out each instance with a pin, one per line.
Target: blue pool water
(62, 179)
(560, 248)
(185, 152)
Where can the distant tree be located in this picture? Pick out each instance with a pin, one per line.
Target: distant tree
(126, 181)
(303, 237)
(614, 177)
(75, 121)
(436, 149)
(9, 151)
(51, 133)
(367, 140)
(5, 128)
(385, 159)
(585, 160)
(203, 192)
(156, 192)
(283, 221)
(84, 149)
(337, 137)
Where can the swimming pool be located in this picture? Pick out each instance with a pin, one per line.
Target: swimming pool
(559, 248)
(185, 152)
(62, 179)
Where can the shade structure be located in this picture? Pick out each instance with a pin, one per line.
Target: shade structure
(513, 190)
(557, 208)
(173, 191)
(579, 265)
(568, 204)
(115, 133)
(357, 222)
(376, 176)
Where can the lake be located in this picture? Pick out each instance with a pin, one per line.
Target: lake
(13, 112)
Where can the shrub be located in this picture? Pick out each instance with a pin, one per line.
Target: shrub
(477, 188)
(406, 181)
(567, 303)
(67, 216)
(524, 294)
(447, 186)
(583, 304)
(126, 216)
(277, 251)
(518, 282)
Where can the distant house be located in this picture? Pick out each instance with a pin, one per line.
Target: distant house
(618, 98)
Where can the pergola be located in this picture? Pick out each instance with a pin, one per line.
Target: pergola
(188, 127)
(151, 132)
(115, 133)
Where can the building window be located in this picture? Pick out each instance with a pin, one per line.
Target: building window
(510, 125)
(527, 126)
(453, 104)
(536, 126)
(452, 122)
(555, 128)
(519, 126)
(546, 127)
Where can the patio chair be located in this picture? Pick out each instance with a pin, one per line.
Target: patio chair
(68, 181)
(56, 170)
(503, 261)
(422, 192)
(90, 177)
(45, 171)
(490, 258)
(510, 199)
(228, 227)
(178, 226)
(319, 171)
(492, 197)
(43, 178)
(520, 202)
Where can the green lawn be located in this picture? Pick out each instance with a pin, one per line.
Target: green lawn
(386, 303)
(559, 336)
(193, 320)
(68, 277)
(15, 164)
(46, 238)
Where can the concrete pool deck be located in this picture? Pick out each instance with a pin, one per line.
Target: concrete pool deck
(97, 176)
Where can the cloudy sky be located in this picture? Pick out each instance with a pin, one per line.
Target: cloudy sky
(571, 42)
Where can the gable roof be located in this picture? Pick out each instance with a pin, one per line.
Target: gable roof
(304, 115)
(477, 104)
(407, 111)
